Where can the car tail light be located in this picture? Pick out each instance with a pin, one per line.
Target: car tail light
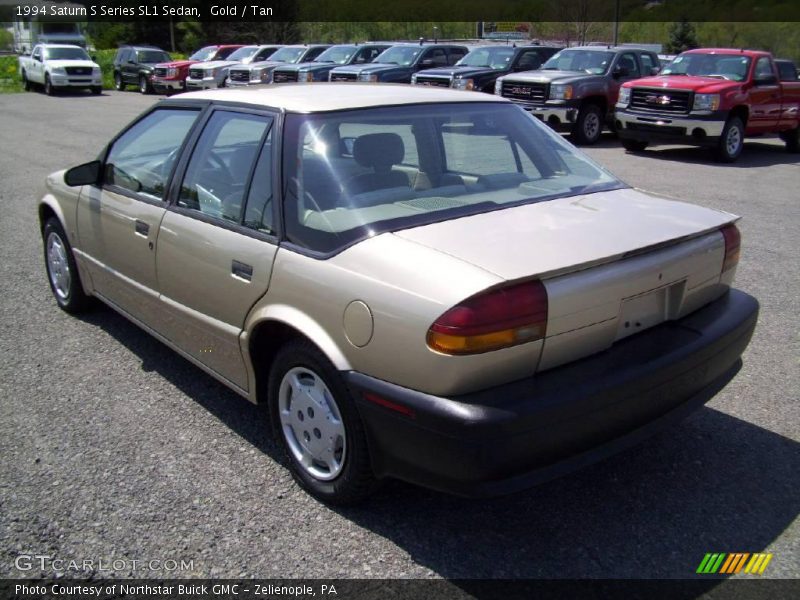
(732, 246)
(491, 320)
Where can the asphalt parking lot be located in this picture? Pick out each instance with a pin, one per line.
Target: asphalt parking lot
(114, 447)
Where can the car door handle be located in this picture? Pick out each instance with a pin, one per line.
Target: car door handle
(241, 270)
(142, 228)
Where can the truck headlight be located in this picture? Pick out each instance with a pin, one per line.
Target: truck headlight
(414, 79)
(464, 84)
(706, 102)
(212, 74)
(560, 91)
(172, 72)
(498, 87)
(58, 71)
(624, 96)
(368, 77)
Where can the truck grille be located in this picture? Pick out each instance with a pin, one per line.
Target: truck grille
(240, 75)
(79, 70)
(434, 81)
(284, 76)
(343, 77)
(661, 100)
(160, 71)
(196, 73)
(526, 93)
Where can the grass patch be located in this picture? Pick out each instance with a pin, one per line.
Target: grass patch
(11, 82)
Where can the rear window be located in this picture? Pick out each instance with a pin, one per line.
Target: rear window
(352, 174)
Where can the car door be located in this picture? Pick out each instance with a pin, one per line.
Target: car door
(118, 220)
(629, 62)
(217, 241)
(765, 97)
(129, 74)
(37, 65)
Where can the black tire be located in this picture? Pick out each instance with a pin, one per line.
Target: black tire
(119, 84)
(26, 84)
(792, 140)
(97, 90)
(48, 87)
(355, 480)
(589, 125)
(144, 85)
(71, 298)
(633, 145)
(731, 141)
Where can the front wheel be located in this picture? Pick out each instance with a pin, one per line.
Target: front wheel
(119, 85)
(634, 145)
(792, 140)
(731, 141)
(144, 85)
(317, 423)
(62, 272)
(97, 90)
(587, 129)
(48, 86)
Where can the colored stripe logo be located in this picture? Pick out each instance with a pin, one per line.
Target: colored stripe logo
(731, 563)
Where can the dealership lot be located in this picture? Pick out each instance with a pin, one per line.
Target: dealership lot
(115, 448)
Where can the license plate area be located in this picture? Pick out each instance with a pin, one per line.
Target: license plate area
(643, 311)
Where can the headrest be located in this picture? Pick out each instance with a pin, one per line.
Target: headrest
(379, 150)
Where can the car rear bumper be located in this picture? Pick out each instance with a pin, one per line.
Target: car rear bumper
(668, 128)
(514, 436)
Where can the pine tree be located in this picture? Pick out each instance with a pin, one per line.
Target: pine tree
(682, 37)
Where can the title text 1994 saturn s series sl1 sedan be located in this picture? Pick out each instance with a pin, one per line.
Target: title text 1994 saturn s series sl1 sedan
(420, 283)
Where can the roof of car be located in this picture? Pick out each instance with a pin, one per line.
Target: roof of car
(601, 48)
(743, 52)
(323, 97)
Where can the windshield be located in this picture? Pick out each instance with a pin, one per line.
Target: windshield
(399, 55)
(204, 54)
(243, 53)
(724, 66)
(353, 174)
(338, 54)
(289, 55)
(496, 58)
(588, 61)
(65, 54)
(152, 56)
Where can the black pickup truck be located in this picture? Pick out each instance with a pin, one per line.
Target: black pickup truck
(479, 69)
(577, 88)
(398, 63)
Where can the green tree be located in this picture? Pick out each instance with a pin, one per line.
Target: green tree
(682, 37)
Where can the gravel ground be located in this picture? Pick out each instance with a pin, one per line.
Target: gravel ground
(113, 447)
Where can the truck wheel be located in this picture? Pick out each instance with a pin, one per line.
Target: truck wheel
(144, 85)
(97, 90)
(731, 141)
(317, 424)
(587, 129)
(792, 139)
(48, 87)
(62, 272)
(26, 84)
(119, 85)
(634, 145)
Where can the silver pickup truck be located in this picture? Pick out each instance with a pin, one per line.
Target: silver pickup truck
(60, 66)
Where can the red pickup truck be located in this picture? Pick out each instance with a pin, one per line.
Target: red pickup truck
(710, 97)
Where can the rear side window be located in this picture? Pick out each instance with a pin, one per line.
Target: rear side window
(787, 71)
(141, 159)
(438, 56)
(313, 53)
(455, 55)
(529, 60)
(216, 177)
(223, 53)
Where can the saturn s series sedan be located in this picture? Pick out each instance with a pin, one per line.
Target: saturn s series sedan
(419, 283)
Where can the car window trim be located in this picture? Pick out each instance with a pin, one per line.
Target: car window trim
(200, 106)
(179, 171)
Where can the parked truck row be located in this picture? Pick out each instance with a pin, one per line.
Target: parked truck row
(710, 97)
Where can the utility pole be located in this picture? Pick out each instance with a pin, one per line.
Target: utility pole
(616, 22)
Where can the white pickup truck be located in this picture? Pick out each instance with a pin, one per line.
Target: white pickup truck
(60, 66)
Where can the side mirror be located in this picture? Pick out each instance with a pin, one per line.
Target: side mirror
(655, 71)
(85, 174)
(767, 80)
(620, 71)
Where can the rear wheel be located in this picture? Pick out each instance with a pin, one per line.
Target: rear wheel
(316, 422)
(119, 85)
(48, 86)
(731, 141)
(792, 139)
(587, 129)
(62, 272)
(634, 145)
(144, 85)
